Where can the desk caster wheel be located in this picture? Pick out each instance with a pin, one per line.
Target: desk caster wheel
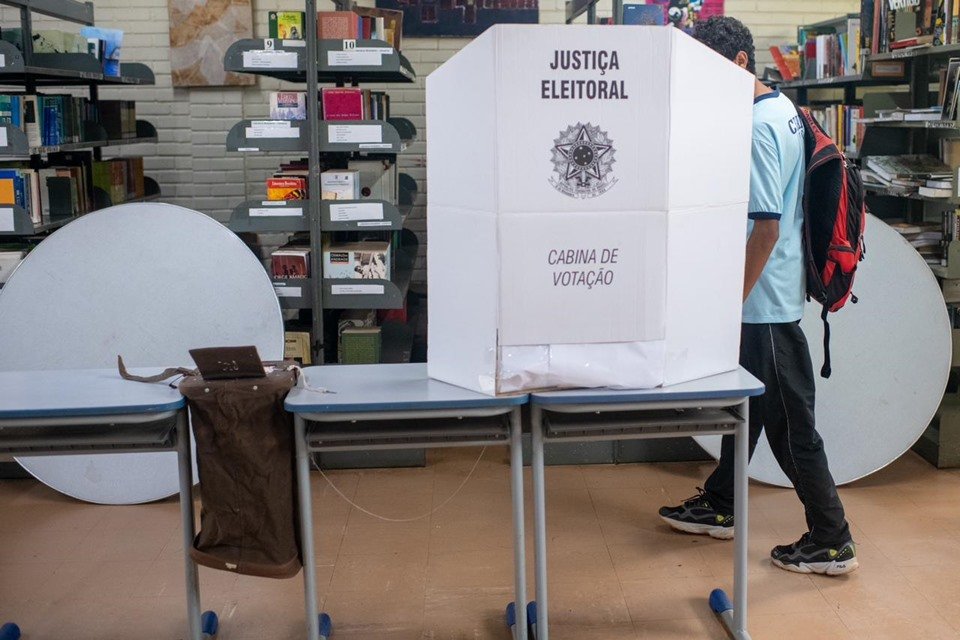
(9, 631)
(326, 626)
(209, 624)
(532, 620)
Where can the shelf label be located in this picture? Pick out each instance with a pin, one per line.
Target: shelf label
(273, 203)
(355, 58)
(291, 212)
(299, 44)
(376, 145)
(354, 133)
(374, 223)
(357, 289)
(248, 148)
(283, 291)
(272, 129)
(6, 220)
(356, 211)
(3, 60)
(275, 59)
(3, 136)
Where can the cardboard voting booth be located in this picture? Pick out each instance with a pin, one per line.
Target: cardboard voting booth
(587, 209)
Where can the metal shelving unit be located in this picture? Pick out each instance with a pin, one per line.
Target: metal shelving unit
(24, 68)
(344, 63)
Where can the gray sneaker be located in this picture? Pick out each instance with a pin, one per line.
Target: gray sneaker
(696, 515)
(804, 556)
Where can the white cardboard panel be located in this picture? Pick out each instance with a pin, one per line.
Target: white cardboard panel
(529, 125)
(705, 257)
(462, 305)
(711, 116)
(583, 278)
(461, 119)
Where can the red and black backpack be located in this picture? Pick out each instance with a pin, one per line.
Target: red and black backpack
(834, 217)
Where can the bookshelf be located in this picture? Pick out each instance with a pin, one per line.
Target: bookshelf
(940, 444)
(333, 143)
(23, 68)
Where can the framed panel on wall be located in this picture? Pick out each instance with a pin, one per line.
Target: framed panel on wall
(460, 18)
(200, 33)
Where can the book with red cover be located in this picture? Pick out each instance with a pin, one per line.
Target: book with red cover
(785, 71)
(343, 104)
(337, 25)
(290, 262)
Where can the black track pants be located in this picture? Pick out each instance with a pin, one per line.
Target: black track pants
(777, 355)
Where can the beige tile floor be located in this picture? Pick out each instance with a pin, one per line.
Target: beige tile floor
(75, 571)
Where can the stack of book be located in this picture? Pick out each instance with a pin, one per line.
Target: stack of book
(831, 51)
(363, 23)
(926, 238)
(289, 182)
(118, 118)
(348, 103)
(906, 174)
(787, 59)
(843, 123)
(890, 25)
(120, 179)
(52, 120)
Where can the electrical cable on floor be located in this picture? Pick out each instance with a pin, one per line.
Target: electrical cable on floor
(387, 519)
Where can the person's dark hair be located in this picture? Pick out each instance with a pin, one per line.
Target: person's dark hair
(727, 36)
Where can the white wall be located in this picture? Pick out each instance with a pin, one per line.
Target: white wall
(190, 161)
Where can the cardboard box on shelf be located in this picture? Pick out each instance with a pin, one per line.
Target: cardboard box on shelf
(570, 230)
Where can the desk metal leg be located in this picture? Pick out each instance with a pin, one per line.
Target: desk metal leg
(187, 525)
(734, 615)
(519, 539)
(740, 501)
(539, 521)
(306, 529)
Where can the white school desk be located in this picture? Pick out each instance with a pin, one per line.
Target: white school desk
(396, 406)
(96, 411)
(714, 405)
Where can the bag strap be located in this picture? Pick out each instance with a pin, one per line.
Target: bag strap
(825, 371)
(160, 377)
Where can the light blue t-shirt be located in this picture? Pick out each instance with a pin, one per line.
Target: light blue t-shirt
(777, 169)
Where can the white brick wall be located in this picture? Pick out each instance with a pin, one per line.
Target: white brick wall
(194, 169)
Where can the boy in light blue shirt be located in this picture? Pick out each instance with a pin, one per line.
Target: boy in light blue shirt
(772, 345)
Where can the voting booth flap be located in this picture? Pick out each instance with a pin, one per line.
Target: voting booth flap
(587, 212)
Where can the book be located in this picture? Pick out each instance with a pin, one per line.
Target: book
(345, 184)
(387, 25)
(367, 260)
(286, 189)
(919, 166)
(934, 192)
(787, 59)
(296, 346)
(337, 25)
(359, 346)
(288, 105)
(343, 103)
(287, 25)
(649, 14)
(290, 263)
(911, 22)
